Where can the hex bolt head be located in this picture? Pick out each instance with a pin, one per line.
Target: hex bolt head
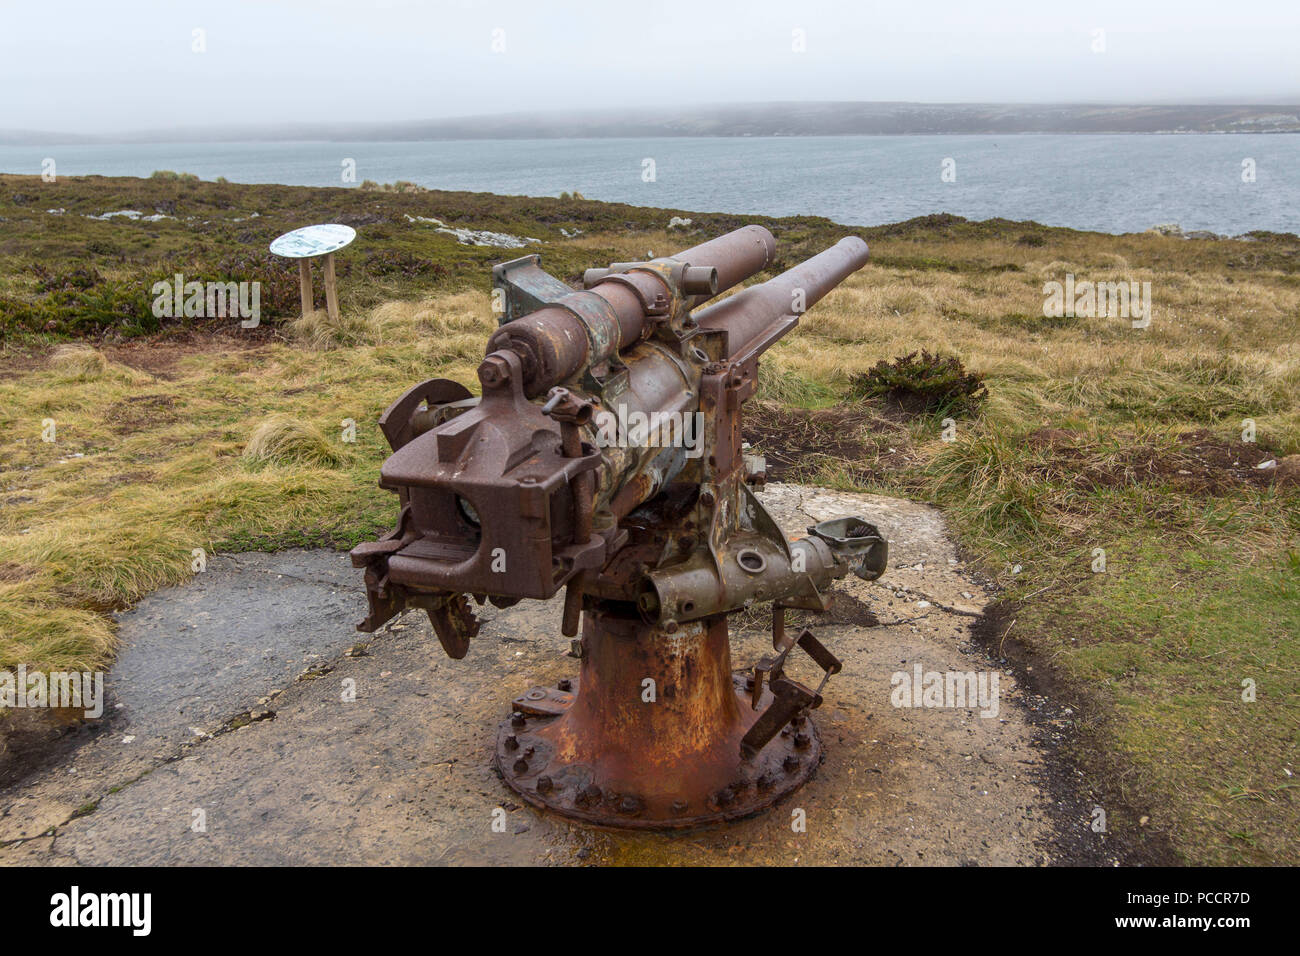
(790, 764)
(797, 720)
(592, 792)
(517, 720)
(512, 742)
(521, 765)
(679, 806)
(544, 784)
(802, 741)
(493, 371)
(565, 685)
(725, 797)
(629, 805)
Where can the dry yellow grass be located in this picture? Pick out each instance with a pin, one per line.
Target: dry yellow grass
(453, 324)
(230, 449)
(1231, 349)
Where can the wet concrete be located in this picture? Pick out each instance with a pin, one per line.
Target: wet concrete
(231, 736)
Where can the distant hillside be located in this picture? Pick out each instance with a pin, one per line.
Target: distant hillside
(754, 119)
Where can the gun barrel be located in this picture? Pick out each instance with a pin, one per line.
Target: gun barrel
(749, 314)
(738, 255)
(579, 329)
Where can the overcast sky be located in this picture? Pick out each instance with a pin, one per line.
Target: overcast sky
(95, 66)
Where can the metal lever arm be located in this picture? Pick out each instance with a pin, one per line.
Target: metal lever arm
(791, 697)
(571, 412)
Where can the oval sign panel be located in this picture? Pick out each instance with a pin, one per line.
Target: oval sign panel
(313, 241)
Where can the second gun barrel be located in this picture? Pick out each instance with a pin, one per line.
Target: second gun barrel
(738, 255)
(748, 314)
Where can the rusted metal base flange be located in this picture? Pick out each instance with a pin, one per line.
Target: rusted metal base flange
(529, 762)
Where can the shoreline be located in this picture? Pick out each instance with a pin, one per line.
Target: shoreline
(1167, 228)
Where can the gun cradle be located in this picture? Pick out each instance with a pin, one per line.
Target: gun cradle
(604, 457)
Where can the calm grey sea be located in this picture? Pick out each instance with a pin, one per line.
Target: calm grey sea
(1112, 183)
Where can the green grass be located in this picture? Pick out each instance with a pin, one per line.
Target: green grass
(1163, 641)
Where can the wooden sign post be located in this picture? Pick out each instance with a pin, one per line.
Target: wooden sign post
(308, 243)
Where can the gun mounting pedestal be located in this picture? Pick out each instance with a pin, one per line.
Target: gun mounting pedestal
(604, 457)
(598, 750)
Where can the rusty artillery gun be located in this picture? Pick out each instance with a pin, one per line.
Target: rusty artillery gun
(605, 457)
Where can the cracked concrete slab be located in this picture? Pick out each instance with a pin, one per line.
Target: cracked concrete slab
(402, 773)
(192, 656)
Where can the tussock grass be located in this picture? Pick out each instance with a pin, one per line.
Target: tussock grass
(456, 324)
(316, 330)
(78, 363)
(288, 440)
(229, 451)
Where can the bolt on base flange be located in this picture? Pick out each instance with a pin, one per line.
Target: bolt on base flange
(529, 761)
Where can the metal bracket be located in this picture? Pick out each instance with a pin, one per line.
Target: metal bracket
(398, 423)
(525, 287)
(791, 697)
(546, 701)
(452, 618)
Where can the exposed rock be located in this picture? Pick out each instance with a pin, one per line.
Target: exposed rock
(476, 237)
(133, 214)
